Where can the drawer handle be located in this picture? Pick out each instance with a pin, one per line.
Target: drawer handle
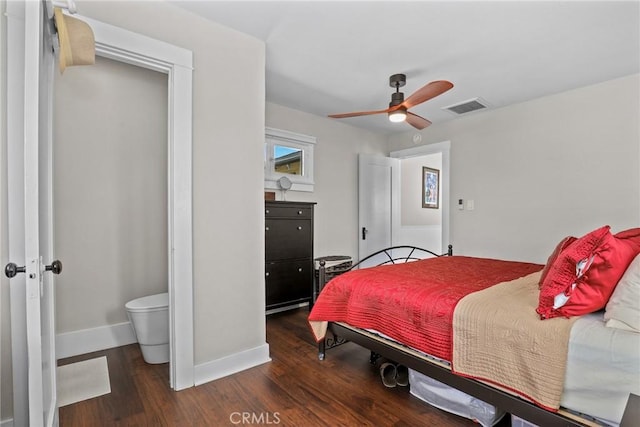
(267, 211)
(267, 274)
(299, 227)
(266, 228)
(300, 270)
(299, 212)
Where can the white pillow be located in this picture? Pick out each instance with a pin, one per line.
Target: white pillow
(624, 304)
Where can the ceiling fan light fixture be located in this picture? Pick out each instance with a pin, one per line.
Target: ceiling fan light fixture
(398, 107)
(397, 116)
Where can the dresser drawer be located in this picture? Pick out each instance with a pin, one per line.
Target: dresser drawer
(288, 281)
(274, 211)
(288, 239)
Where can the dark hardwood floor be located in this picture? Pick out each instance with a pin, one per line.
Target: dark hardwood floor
(295, 389)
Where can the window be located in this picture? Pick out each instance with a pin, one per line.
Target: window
(288, 154)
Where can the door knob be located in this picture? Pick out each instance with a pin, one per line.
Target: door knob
(11, 269)
(55, 267)
(364, 233)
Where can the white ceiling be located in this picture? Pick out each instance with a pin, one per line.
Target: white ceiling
(333, 57)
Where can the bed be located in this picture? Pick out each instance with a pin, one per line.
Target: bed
(366, 306)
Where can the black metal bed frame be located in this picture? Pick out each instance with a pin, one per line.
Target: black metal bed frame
(341, 333)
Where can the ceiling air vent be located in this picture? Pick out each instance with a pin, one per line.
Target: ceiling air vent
(467, 106)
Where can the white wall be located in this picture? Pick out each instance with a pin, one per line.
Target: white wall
(336, 175)
(540, 170)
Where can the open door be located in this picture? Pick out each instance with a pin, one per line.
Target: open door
(30, 59)
(376, 176)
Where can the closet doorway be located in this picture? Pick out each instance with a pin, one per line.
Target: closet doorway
(110, 205)
(137, 50)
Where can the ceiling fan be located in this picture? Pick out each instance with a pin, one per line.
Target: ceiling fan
(398, 106)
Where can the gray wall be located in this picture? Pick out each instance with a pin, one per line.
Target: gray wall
(540, 170)
(411, 211)
(110, 191)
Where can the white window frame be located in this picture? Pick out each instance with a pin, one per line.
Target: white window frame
(294, 140)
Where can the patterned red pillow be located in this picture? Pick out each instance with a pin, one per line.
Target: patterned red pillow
(564, 243)
(598, 261)
(563, 272)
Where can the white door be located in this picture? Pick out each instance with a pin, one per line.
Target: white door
(376, 175)
(29, 191)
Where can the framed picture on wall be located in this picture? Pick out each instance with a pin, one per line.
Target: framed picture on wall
(430, 188)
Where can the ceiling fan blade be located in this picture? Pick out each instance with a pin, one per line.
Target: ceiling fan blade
(416, 121)
(426, 92)
(360, 113)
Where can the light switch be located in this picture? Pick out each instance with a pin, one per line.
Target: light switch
(470, 205)
(461, 204)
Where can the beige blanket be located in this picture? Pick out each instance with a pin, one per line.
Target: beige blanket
(498, 337)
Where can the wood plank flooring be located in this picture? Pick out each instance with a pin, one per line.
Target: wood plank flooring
(294, 389)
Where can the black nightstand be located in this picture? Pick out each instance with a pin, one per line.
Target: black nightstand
(334, 266)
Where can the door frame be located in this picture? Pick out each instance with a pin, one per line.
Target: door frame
(138, 50)
(443, 147)
(142, 51)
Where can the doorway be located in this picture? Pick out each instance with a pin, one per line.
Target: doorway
(380, 200)
(110, 204)
(177, 63)
(440, 154)
(419, 225)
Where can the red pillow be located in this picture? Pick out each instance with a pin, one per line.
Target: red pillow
(584, 275)
(631, 236)
(564, 243)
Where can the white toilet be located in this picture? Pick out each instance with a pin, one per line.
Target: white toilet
(149, 317)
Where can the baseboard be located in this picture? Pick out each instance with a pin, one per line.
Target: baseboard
(95, 339)
(6, 423)
(289, 307)
(231, 364)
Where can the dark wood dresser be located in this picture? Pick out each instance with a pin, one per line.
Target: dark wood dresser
(288, 253)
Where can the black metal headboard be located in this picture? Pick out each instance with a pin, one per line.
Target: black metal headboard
(413, 254)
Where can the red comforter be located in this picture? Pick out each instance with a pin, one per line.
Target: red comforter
(412, 303)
